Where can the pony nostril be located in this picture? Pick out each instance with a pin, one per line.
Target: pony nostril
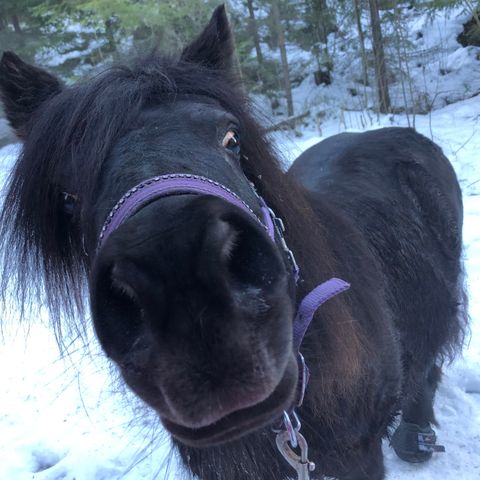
(227, 236)
(249, 261)
(116, 307)
(237, 252)
(121, 284)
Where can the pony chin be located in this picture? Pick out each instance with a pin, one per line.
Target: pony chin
(241, 422)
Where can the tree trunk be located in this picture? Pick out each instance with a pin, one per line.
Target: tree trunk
(254, 31)
(324, 23)
(380, 67)
(16, 24)
(110, 24)
(361, 36)
(283, 55)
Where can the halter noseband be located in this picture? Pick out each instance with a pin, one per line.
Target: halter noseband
(174, 184)
(165, 185)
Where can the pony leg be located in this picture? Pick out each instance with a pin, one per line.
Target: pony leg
(420, 410)
(414, 439)
(368, 466)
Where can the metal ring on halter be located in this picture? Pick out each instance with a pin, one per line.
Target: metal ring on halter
(292, 428)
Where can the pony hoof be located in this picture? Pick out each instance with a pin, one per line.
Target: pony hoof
(415, 444)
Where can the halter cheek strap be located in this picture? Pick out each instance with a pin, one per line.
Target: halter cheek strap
(166, 185)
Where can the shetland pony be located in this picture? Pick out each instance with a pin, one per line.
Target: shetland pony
(191, 297)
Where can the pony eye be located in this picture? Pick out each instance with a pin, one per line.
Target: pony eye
(231, 141)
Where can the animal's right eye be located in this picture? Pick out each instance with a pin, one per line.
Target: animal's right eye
(231, 141)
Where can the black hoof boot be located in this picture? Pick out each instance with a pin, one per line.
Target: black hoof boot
(415, 444)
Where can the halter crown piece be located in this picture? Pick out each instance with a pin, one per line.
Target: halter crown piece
(288, 427)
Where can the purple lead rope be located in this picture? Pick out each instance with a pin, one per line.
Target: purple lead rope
(290, 422)
(311, 303)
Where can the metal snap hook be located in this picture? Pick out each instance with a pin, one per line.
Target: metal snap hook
(300, 463)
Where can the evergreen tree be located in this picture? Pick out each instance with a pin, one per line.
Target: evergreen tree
(280, 33)
(379, 55)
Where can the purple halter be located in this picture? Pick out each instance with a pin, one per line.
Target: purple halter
(166, 185)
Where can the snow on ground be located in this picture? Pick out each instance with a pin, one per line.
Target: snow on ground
(433, 71)
(64, 418)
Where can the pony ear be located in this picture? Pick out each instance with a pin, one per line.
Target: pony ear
(214, 47)
(23, 88)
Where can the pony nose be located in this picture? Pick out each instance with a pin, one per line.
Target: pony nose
(190, 299)
(179, 246)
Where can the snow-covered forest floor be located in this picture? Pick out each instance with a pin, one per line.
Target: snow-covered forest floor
(432, 70)
(65, 417)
